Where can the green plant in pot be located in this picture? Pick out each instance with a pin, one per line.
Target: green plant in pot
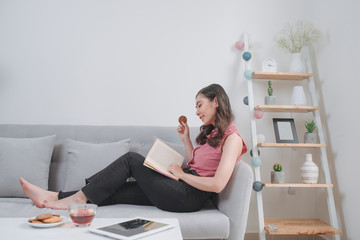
(277, 175)
(310, 136)
(271, 99)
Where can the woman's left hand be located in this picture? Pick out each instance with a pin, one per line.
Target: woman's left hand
(176, 170)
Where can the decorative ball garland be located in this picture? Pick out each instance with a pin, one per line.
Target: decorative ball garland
(256, 161)
(248, 74)
(246, 100)
(258, 114)
(257, 186)
(246, 56)
(239, 45)
(251, 152)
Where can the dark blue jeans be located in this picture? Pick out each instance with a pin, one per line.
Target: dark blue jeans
(110, 186)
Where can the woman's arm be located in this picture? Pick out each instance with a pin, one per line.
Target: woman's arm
(184, 134)
(232, 149)
(188, 149)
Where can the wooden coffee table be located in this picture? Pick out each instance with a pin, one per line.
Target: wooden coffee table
(18, 228)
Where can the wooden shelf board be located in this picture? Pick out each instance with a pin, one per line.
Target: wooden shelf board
(286, 108)
(299, 227)
(292, 145)
(306, 185)
(281, 75)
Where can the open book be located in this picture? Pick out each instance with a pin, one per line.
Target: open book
(161, 156)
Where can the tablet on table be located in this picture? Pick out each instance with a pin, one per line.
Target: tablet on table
(132, 229)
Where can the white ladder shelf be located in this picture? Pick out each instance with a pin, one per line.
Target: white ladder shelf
(290, 226)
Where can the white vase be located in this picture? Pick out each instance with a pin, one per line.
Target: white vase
(296, 64)
(298, 96)
(309, 170)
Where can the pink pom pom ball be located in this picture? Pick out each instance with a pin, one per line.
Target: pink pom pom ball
(239, 45)
(258, 114)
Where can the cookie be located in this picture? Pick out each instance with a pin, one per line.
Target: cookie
(53, 219)
(44, 216)
(37, 222)
(182, 119)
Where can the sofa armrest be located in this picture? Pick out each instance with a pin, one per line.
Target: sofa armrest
(234, 200)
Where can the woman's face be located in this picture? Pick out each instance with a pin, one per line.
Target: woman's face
(206, 109)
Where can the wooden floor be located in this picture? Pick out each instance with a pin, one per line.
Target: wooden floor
(255, 236)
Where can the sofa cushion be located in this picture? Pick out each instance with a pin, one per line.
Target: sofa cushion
(86, 159)
(24, 157)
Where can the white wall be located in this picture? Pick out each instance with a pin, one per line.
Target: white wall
(142, 62)
(338, 67)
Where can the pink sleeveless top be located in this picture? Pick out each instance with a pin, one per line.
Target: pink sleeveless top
(205, 158)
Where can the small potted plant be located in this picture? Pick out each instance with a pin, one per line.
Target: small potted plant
(277, 175)
(271, 99)
(310, 136)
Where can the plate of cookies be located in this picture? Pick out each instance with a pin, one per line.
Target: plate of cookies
(46, 220)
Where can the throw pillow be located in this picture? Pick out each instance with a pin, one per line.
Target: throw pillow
(24, 157)
(86, 159)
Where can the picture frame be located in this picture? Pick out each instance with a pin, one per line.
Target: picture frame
(285, 131)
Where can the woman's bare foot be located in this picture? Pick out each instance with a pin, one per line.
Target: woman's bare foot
(36, 194)
(64, 203)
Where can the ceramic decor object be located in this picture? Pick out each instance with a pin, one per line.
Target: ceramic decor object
(298, 97)
(309, 170)
(296, 64)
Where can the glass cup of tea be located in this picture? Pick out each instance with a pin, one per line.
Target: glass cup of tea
(82, 214)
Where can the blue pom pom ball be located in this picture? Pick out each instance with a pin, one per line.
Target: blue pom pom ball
(246, 56)
(256, 161)
(252, 152)
(246, 100)
(257, 186)
(248, 74)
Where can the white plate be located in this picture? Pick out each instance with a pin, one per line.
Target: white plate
(47, 225)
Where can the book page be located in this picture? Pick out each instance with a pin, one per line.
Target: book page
(161, 156)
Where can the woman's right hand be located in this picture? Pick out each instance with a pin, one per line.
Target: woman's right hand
(183, 130)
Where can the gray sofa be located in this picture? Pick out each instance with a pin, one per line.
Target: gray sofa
(222, 218)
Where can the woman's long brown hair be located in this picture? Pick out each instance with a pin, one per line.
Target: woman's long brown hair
(223, 116)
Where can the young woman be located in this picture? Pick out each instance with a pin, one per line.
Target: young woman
(210, 167)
